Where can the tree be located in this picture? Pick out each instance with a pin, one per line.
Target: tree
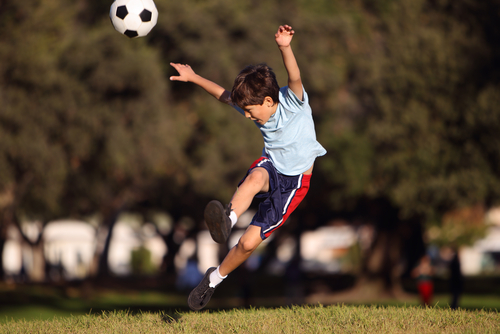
(404, 95)
(85, 117)
(411, 127)
(31, 159)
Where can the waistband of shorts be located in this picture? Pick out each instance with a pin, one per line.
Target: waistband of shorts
(256, 162)
(305, 177)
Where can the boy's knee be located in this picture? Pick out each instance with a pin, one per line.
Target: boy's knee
(248, 245)
(258, 177)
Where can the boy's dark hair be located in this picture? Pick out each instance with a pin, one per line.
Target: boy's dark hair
(253, 84)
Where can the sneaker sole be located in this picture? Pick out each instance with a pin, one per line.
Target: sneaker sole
(214, 216)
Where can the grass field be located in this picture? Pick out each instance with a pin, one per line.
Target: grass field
(35, 303)
(295, 319)
(114, 309)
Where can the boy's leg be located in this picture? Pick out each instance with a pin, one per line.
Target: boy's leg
(219, 224)
(217, 218)
(256, 181)
(248, 242)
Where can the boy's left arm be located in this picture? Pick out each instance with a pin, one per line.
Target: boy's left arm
(187, 74)
(283, 38)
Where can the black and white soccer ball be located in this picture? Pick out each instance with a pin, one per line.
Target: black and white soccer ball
(133, 18)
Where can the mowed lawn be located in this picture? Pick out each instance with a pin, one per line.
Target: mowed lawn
(38, 309)
(46, 308)
(294, 319)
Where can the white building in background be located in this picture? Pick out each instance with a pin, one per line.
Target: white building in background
(12, 255)
(128, 236)
(323, 248)
(478, 258)
(123, 241)
(70, 244)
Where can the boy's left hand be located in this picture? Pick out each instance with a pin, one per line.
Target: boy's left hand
(186, 73)
(284, 35)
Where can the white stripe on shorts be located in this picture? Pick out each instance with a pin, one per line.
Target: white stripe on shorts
(289, 200)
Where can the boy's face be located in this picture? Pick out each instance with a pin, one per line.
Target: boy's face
(261, 113)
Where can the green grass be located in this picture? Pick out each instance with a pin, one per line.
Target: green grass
(33, 303)
(43, 303)
(46, 309)
(307, 319)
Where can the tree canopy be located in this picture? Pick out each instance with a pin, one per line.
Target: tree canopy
(405, 97)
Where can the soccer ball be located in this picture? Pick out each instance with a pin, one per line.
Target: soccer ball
(133, 18)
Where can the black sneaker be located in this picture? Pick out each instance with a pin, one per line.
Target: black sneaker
(201, 295)
(218, 221)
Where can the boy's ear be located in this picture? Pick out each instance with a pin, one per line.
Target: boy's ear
(268, 101)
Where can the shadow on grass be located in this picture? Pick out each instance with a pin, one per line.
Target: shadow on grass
(79, 298)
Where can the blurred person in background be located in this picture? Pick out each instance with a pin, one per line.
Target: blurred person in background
(423, 273)
(456, 279)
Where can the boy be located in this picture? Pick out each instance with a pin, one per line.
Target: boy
(281, 176)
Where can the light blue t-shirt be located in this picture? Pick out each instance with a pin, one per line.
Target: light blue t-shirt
(289, 135)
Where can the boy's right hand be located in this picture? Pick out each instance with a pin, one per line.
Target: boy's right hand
(284, 35)
(186, 73)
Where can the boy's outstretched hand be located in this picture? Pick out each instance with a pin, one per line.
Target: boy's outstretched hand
(284, 35)
(186, 73)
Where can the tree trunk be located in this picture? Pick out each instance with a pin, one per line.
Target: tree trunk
(394, 250)
(103, 264)
(172, 249)
(380, 277)
(4, 223)
(37, 273)
(33, 249)
(2, 244)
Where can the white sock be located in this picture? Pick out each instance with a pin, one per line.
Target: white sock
(215, 278)
(234, 218)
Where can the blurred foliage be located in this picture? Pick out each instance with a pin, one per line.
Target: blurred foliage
(405, 96)
(141, 263)
(459, 227)
(84, 115)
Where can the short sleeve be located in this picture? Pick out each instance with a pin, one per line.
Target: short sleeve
(291, 102)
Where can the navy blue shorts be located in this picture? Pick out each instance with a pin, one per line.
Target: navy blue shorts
(284, 195)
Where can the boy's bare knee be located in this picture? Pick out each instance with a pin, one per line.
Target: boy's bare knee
(258, 177)
(247, 245)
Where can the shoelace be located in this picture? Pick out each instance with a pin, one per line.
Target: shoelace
(204, 294)
(228, 209)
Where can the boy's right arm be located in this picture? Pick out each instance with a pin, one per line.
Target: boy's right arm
(187, 74)
(283, 39)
